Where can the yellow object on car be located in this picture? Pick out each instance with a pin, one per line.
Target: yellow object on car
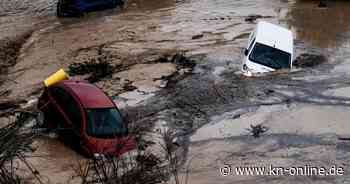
(56, 77)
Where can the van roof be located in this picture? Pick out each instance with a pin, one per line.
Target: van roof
(274, 36)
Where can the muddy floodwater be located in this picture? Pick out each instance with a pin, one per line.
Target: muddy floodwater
(209, 105)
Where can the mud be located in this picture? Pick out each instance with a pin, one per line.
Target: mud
(309, 60)
(9, 52)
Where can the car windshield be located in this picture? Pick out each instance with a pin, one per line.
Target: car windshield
(270, 57)
(105, 123)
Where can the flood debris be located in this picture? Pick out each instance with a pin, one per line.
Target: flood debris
(309, 60)
(181, 61)
(253, 17)
(257, 130)
(95, 69)
(199, 36)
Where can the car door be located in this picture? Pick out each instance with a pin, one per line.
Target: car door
(70, 110)
(51, 115)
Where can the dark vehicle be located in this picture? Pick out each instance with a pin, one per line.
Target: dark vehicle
(86, 117)
(71, 8)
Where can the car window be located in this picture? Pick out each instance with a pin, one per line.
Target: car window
(68, 105)
(104, 123)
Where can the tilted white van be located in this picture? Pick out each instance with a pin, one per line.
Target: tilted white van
(270, 47)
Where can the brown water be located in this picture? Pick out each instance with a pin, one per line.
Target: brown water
(323, 27)
(145, 29)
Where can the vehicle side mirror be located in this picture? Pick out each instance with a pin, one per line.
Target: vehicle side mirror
(246, 52)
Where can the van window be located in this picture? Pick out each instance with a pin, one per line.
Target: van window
(270, 57)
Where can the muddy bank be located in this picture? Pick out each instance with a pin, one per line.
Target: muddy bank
(10, 50)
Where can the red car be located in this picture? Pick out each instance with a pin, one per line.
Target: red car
(85, 116)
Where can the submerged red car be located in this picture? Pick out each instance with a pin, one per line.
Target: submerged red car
(85, 116)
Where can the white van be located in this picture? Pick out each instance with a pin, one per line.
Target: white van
(270, 48)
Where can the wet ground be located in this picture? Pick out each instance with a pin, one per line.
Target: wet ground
(211, 106)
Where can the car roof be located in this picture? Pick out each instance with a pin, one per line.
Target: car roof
(90, 96)
(274, 36)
